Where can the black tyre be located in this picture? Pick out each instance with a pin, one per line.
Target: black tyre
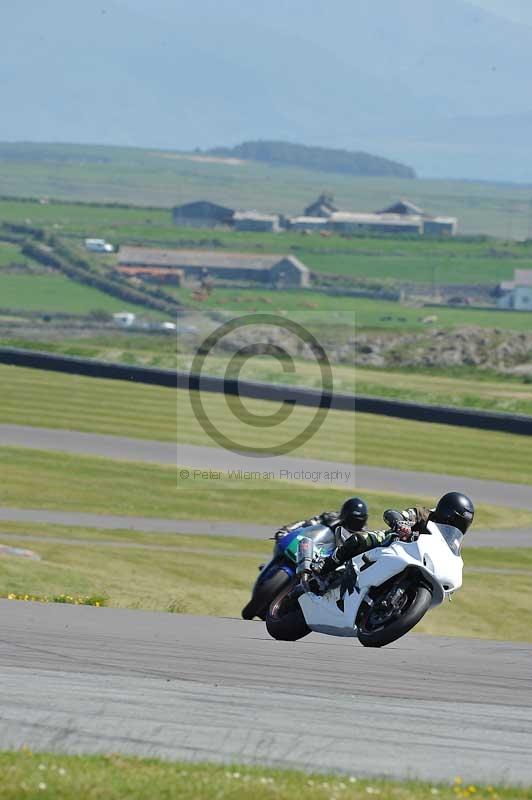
(384, 621)
(285, 620)
(264, 594)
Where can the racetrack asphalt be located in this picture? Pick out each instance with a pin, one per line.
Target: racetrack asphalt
(512, 537)
(85, 680)
(410, 483)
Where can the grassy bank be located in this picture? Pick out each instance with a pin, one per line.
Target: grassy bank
(45, 775)
(171, 573)
(60, 482)
(157, 573)
(31, 397)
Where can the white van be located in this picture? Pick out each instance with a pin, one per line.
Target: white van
(124, 319)
(98, 246)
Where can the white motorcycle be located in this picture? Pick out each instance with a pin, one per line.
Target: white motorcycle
(377, 596)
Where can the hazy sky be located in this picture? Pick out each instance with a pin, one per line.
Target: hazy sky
(518, 10)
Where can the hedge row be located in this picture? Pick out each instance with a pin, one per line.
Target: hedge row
(155, 292)
(82, 271)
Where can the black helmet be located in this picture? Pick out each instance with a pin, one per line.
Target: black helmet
(455, 509)
(353, 514)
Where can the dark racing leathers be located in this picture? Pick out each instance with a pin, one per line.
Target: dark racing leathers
(352, 544)
(365, 539)
(413, 519)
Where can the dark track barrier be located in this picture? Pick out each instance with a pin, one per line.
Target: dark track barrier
(444, 415)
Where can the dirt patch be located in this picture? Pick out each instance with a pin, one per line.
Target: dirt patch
(231, 162)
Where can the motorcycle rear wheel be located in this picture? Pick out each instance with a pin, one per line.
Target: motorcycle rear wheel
(285, 620)
(376, 632)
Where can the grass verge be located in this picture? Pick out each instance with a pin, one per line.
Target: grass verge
(62, 482)
(171, 573)
(32, 397)
(68, 599)
(28, 775)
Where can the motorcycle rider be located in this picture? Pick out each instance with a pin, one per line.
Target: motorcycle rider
(454, 508)
(350, 520)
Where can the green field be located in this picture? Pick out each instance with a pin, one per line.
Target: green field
(32, 397)
(50, 776)
(12, 256)
(356, 312)
(55, 293)
(157, 178)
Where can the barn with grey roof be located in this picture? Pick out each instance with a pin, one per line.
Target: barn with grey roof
(202, 214)
(274, 270)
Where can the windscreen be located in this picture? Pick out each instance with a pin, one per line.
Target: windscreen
(452, 536)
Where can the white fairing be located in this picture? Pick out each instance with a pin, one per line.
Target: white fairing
(436, 555)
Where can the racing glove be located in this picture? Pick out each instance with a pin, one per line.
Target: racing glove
(404, 531)
(398, 524)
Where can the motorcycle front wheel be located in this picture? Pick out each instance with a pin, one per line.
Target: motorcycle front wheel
(395, 610)
(264, 593)
(285, 620)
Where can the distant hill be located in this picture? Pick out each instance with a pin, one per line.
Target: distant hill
(421, 83)
(322, 159)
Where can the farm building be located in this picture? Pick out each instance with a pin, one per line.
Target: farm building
(157, 274)
(307, 223)
(439, 226)
(517, 294)
(254, 221)
(275, 270)
(348, 222)
(403, 207)
(401, 217)
(202, 214)
(322, 207)
(431, 226)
